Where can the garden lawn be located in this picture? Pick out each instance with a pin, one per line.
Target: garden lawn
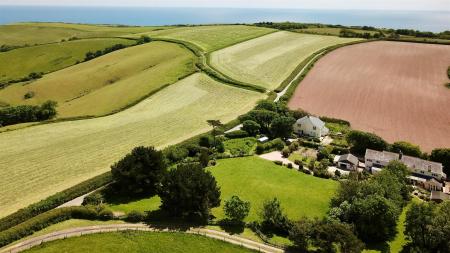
(256, 180)
(21, 34)
(240, 146)
(41, 160)
(109, 83)
(21, 62)
(139, 242)
(267, 61)
(211, 38)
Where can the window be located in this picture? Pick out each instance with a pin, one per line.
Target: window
(314, 128)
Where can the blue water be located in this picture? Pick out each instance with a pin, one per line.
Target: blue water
(435, 21)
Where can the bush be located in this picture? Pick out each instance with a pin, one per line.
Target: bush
(294, 146)
(289, 165)
(53, 201)
(259, 149)
(135, 216)
(205, 141)
(236, 134)
(298, 162)
(28, 95)
(176, 153)
(278, 163)
(360, 141)
(286, 152)
(236, 209)
(105, 215)
(334, 120)
(273, 219)
(93, 199)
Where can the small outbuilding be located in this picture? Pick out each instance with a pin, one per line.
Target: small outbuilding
(347, 162)
(311, 126)
(263, 139)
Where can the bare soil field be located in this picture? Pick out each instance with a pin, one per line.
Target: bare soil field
(393, 89)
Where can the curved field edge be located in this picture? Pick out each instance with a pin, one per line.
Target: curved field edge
(268, 61)
(63, 154)
(110, 83)
(49, 58)
(139, 241)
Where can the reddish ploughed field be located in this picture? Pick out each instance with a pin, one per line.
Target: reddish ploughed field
(393, 89)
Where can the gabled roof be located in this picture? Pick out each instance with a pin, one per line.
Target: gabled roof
(420, 164)
(349, 157)
(314, 121)
(383, 156)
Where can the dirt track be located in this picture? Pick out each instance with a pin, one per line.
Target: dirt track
(393, 89)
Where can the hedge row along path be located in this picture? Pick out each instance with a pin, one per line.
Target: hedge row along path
(80, 231)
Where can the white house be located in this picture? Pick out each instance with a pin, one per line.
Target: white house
(310, 126)
(346, 162)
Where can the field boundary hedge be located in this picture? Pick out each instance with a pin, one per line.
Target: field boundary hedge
(54, 201)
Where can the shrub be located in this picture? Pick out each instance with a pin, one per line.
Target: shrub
(294, 146)
(105, 214)
(135, 216)
(176, 153)
(278, 163)
(259, 149)
(273, 219)
(237, 134)
(289, 165)
(93, 199)
(28, 95)
(286, 152)
(236, 209)
(205, 141)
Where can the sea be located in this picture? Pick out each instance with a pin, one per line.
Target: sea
(435, 21)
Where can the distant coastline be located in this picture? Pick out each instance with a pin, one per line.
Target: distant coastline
(435, 21)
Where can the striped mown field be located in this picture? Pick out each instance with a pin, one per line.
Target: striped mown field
(268, 60)
(38, 161)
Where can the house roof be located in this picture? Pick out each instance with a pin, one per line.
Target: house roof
(383, 156)
(420, 164)
(350, 158)
(314, 121)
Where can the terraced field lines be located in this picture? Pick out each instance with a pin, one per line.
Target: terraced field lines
(267, 61)
(211, 38)
(108, 83)
(19, 63)
(38, 161)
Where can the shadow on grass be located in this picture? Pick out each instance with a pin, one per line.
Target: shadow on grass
(111, 196)
(381, 246)
(230, 227)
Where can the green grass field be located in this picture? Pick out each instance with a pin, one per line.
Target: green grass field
(38, 161)
(255, 180)
(139, 242)
(267, 61)
(19, 63)
(211, 38)
(21, 34)
(238, 146)
(108, 83)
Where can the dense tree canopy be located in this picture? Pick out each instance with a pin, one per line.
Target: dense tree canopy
(251, 127)
(189, 191)
(27, 113)
(236, 209)
(442, 155)
(140, 172)
(282, 127)
(360, 141)
(406, 148)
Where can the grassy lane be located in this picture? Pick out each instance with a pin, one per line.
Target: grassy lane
(139, 242)
(211, 38)
(267, 61)
(19, 63)
(108, 83)
(38, 161)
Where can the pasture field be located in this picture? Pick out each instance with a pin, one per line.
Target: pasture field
(139, 242)
(41, 160)
(256, 180)
(393, 89)
(211, 38)
(21, 62)
(21, 34)
(267, 61)
(108, 83)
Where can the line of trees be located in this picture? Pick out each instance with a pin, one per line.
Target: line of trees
(92, 55)
(27, 113)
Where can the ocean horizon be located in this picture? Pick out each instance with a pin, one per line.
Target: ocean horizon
(435, 21)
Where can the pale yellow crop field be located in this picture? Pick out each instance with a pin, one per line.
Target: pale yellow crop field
(210, 38)
(267, 61)
(38, 161)
(108, 83)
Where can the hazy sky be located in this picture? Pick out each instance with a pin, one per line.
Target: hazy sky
(304, 4)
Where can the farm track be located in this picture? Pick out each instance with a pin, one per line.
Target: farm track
(80, 231)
